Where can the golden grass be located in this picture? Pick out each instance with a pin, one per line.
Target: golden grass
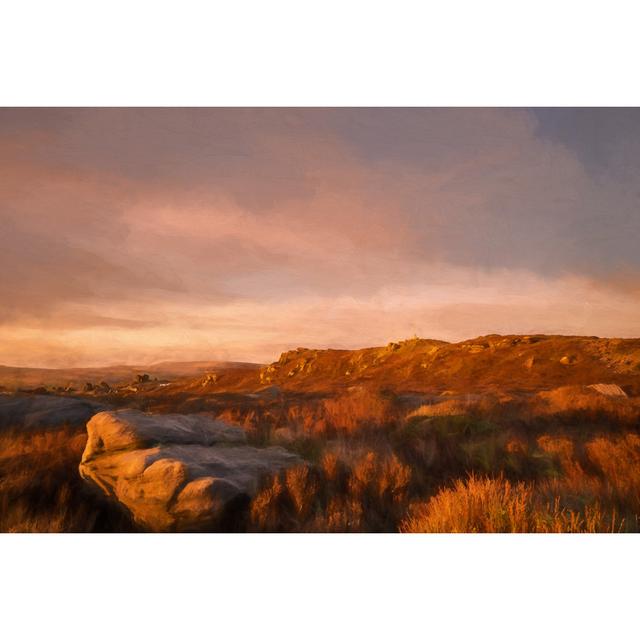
(496, 505)
(618, 462)
(460, 465)
(587, 405)
(51, 443)
(366, 493)
(444, 408)
(359, 408)
(41, 490)
(560, 461)
(347, 412)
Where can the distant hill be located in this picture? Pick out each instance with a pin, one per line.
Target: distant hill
(26, 377)
(494, 362)
(513, 362)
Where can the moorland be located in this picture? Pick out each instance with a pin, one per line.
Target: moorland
(518, 433)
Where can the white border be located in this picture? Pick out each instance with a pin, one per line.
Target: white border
(335, 52)
(328, 53)
(319, 586)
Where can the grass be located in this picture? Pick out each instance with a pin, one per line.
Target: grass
(366, 492)
(496, 505)
(41, 490)
(481, 465)
(560, 461)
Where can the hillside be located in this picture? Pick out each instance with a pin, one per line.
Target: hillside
(514, 363)
(496, 434)
(26, 377)
(517, 363)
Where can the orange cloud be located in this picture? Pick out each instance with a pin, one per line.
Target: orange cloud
(142, 235)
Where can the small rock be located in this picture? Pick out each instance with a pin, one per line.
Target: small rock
(210, 379)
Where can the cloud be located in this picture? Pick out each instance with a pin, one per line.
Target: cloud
(146, 234)
(258, 330)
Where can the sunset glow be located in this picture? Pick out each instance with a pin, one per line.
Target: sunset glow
(135, 236)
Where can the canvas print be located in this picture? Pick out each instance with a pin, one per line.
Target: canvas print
(320, 320)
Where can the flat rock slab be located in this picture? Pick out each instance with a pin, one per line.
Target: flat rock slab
(176, 472)
(45, 411)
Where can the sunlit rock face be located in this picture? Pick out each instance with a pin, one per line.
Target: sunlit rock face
(176, 472)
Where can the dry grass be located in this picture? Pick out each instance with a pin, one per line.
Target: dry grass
(366, 493)
(55, 442)
(464, 464)
(596, 489)
(585, 405)
(41, 490)
(495, 505)
(342, 414)
(486, 405)
(559, 461)
(357, 409)
(617, 462)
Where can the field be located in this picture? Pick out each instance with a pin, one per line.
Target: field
(506, 450)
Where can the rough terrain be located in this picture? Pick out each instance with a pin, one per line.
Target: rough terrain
(498, 433)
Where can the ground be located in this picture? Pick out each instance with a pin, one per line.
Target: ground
(499, 433)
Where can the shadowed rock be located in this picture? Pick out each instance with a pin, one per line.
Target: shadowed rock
(176, 472)
(46, 411)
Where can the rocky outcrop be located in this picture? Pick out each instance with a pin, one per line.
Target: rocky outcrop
(176, 472)
(513, 362)
(34, 411)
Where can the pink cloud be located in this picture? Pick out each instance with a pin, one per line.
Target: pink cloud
(139, 236)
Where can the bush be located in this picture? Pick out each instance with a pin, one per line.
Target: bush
(366, 493)
(495, 505)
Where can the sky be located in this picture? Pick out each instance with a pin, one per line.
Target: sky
(141, 235)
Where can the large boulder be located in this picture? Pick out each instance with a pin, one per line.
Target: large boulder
(176, 472)
(33, 411)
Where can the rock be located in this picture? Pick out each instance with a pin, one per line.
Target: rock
(265, 374)
(611, 390)
(176, 472)
(477, 348)
(210, 379)
(142, 377)
(129, 388)
(46, 411)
